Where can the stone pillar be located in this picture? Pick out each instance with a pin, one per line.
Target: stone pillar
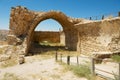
(21, 59)
(62, 38)
(71, 39)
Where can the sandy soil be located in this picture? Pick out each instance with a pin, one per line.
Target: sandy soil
(40, 70)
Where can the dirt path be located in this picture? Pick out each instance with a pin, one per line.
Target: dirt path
(40, 70)
(108, 70)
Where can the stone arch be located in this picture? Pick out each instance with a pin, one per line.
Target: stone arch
(23, 22)
(57, 16)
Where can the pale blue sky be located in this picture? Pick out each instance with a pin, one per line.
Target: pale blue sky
(73, 8)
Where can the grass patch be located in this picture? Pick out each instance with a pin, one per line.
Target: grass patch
(11, 76)
(116, 58)
(82, 70)
(79, 70)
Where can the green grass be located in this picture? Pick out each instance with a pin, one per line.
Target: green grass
(79, 70)
(116, 58)
(82, 71)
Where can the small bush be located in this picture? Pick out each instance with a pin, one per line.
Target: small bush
(82, 70)
(116, 58)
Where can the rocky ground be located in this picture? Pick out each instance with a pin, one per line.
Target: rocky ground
(46, 69)
(3, 35)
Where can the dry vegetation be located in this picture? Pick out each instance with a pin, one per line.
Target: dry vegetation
(8, 63)
(11, 76)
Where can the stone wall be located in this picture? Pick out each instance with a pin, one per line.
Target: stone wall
(82, 35)
(23, 23)
(99, 36)
(52, 37)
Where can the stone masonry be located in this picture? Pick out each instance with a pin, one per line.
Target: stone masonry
(85, 36)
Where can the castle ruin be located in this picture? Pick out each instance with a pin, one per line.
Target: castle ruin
(82, 35)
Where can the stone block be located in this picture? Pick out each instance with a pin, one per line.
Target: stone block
(4, 57)
(21, 59)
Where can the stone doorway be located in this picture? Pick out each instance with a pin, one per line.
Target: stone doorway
(47, 38)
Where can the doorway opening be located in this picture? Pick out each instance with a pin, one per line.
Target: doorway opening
(47, 36)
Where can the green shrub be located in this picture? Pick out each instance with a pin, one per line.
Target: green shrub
(116, 58)
(82, 70)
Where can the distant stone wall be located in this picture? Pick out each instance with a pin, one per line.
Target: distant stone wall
(40, 36)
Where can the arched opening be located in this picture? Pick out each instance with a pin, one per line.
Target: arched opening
(71, 37)
(23, 23)
(47, 36)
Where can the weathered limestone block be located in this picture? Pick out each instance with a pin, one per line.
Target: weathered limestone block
(13, 40)
(4, 57)
(101, 55)
(21, 59)
(114, 46)
(21, 18)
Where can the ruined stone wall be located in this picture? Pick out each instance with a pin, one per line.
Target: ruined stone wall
(82, 35)
(23, 23)
(20, 20)
(99, 36)
(52, 37)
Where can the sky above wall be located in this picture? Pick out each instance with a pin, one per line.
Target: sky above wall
(73, 8)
